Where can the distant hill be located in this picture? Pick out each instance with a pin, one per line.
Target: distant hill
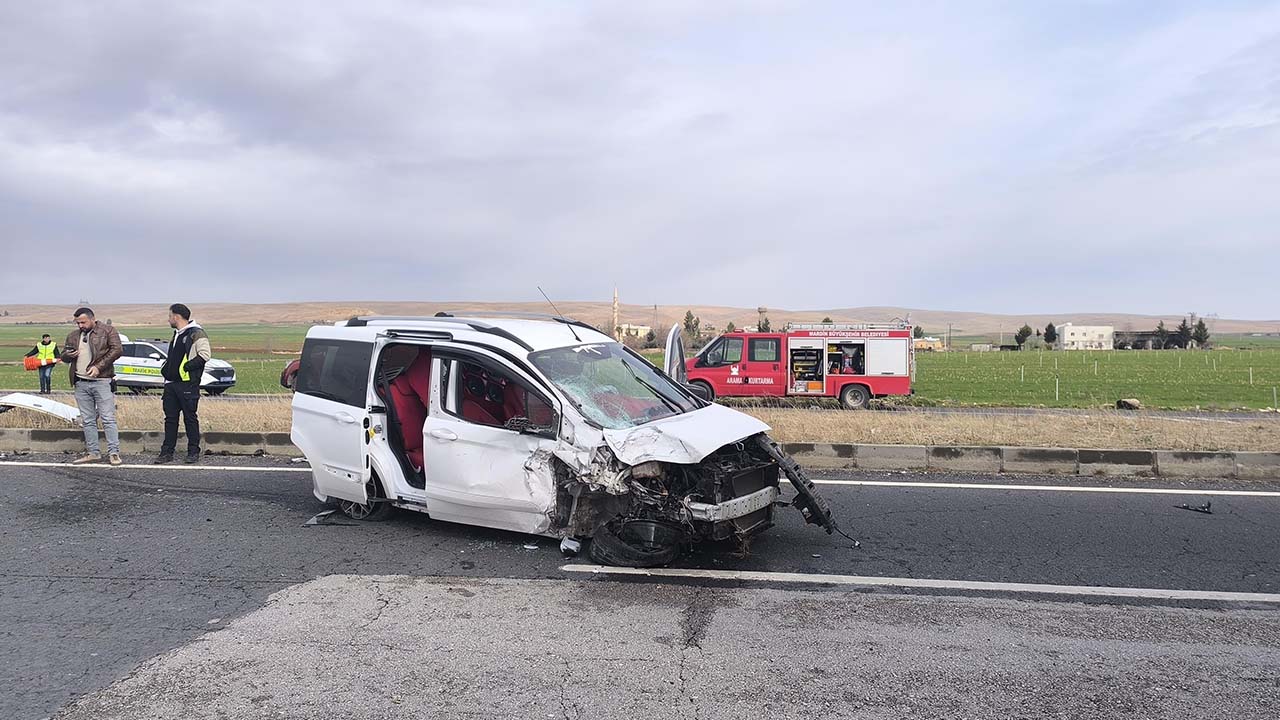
(598, 313)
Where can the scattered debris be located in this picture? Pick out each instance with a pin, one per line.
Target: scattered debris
(817, 555)
(322, 519)
(570, 547)
(1129, 404)
(1205, 508)
(297, 460)
(530, 547)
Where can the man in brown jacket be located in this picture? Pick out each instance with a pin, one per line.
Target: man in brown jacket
(90, 352)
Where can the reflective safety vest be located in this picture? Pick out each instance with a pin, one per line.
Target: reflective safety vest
(182, 369)
(45, 352)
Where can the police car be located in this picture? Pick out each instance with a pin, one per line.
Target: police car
(138, 369)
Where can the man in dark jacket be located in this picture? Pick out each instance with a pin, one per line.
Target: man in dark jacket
(188, 352)
(47, 351)
(90, 353)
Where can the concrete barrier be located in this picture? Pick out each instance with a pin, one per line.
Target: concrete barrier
(1116, 462)
(891, 457)
(1045, 461)
(1257, 465)
(965, 459)
(143, 443)
(1171, 463)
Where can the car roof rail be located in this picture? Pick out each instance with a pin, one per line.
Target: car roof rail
(477, 325)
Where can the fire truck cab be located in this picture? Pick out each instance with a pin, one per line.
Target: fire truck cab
(854, 363)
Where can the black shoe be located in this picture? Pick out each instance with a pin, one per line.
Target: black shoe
(163, 458)
(192, 458)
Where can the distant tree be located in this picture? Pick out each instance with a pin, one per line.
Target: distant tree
(1024, 332)
(650, 339)
(1050, 334)
(730, 327)
(917, 332)
(764, 324)
(1037, 332)
(1183, 333)
(1162, 335)
(1201, 333)
(825, 320)
(691, 326)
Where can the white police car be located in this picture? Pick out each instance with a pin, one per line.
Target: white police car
(138, 369)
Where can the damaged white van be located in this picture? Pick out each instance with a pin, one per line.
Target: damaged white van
(541, 426)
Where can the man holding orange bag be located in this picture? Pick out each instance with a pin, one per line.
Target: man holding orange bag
(46, 355)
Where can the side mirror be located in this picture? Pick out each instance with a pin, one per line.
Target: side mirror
(700, 362)
(699, 391)
(156, 356)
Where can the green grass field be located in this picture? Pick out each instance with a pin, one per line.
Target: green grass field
(1160, 379)
(1216, 379)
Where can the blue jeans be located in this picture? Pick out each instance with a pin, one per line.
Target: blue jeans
(95, 399)
(46, 378)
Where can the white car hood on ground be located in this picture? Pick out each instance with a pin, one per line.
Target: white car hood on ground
(44, 405)
(683, 439)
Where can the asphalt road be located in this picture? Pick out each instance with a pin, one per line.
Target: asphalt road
(104, 568)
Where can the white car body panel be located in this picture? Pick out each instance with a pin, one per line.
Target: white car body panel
(685, 438)
(43, 405)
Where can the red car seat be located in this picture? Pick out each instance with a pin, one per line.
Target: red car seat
(410, 395)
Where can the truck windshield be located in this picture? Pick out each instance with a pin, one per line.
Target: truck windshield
(610, 386)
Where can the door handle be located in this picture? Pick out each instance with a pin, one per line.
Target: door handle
(346, 418)
(444, 434)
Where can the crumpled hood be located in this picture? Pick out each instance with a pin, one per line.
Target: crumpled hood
(683, 439)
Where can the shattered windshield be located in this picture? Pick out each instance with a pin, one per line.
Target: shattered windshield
(610, 386)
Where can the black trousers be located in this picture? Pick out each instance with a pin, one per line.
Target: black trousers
(185, 399)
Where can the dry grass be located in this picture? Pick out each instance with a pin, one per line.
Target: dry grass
(1101, 429)
(1096, 430)
(270, 414)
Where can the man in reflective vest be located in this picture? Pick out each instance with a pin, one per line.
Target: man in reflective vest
(47, 352)
(188, 352)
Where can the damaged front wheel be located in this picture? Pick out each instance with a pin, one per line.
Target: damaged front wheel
(377, 508)
(637, 543)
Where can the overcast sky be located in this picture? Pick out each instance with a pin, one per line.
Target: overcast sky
(1002, 157)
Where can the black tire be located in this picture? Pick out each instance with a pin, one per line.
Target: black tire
(636, 543)
(711, 393)
(215, 391)
(854, 397)
(369, 512)
(135, 390)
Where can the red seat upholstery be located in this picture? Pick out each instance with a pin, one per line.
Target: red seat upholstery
(410, 395)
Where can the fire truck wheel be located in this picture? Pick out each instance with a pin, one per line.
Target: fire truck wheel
(854, 397)
(711, 394)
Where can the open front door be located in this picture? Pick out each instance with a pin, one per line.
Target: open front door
(675, 364)
(331, 416)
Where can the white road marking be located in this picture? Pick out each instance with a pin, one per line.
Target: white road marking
(1050, 488)
(868, 581)
(181, 466)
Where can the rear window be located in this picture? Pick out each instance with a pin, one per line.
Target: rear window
(336, 370)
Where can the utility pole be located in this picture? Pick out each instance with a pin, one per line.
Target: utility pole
(948, 337)
(617, 332)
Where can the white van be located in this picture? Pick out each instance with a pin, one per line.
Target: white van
(541, 426)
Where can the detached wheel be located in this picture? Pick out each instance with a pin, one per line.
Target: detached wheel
(368, 512)
(854, 397)
(636, 543)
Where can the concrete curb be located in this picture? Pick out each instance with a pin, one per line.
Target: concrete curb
(1064, 461)
(1040, 461)
(134, 442)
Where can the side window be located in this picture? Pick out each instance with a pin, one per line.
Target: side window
(732, 350)
(483, 395)
(336, 370)
(715, 354)
(764, 349)
(127, 350)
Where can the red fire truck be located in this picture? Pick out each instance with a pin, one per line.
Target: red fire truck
(852, 362)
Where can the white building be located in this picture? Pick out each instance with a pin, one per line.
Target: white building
(1086, 337)
(636, 331)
